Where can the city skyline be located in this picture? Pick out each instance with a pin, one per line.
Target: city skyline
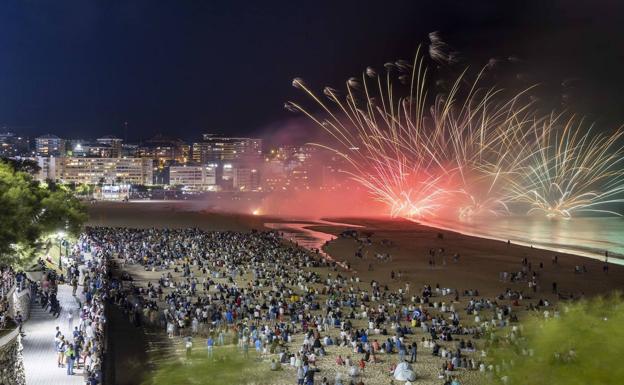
(107, 167)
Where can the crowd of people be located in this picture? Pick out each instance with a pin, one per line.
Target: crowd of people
(12, 281)
(293, 307)
(81, 346)
(7, 276)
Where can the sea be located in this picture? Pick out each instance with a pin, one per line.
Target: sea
(588, 237)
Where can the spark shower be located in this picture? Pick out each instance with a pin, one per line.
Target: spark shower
(468, 151)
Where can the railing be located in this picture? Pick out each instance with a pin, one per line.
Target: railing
(7, 284)
(9, 337)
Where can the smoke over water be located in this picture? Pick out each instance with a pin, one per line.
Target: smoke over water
(318, 204)
(327, 191)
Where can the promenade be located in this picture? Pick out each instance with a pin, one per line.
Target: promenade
(39, 352)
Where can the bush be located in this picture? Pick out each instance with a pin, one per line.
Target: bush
(582, 346)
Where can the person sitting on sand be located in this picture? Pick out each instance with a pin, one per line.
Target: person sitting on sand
(362, 365)
(275, 366)
(353, 371)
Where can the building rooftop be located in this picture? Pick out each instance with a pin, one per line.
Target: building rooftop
(48, 136)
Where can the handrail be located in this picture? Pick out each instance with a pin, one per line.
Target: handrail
(9, 337)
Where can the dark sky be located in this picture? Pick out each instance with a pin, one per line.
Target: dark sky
(81, 68)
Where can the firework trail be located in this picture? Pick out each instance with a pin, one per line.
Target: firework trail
(380, 136)
(439, 51)
(572, 170)
(470, 151)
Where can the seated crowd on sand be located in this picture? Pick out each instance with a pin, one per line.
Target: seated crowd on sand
(301, 313)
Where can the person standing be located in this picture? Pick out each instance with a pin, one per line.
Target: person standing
(221, 338)
(70, 356)
(300, 375)
(189, 346)
(60, 351)
(245, 347)
(74, 283)
(210, 346)
(19, 320)
(413, 352)
(401, 349)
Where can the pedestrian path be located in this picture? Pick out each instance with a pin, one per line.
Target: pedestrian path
(39, 352)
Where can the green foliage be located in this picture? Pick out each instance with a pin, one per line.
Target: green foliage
(23, 165)
(227, 366)
(84, 189)
(583, 346)
(29, 211)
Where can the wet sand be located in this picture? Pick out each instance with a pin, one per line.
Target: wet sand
(480, 261)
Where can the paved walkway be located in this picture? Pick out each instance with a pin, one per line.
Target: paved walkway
(39, 352)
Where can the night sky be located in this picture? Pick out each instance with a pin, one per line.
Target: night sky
(181, 68)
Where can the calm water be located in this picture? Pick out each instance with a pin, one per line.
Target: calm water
(300, 233)
(589, 237)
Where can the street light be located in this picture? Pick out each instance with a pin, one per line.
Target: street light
(60, 235)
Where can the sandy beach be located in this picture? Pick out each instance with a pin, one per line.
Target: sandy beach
(478, 266)
(480, 261)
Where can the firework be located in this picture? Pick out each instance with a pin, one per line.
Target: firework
(572, 170)
(470, 151)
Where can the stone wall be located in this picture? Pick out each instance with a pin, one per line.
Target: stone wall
(11, 362)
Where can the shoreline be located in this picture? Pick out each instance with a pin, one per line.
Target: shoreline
(246, 221)
(481, 261)
(614, 259)
(566, 249)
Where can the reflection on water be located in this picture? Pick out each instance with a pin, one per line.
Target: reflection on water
(310, 239)
(589, 237)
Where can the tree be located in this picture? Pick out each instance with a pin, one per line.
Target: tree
(25, 165)
(29, 211)
(84, 189)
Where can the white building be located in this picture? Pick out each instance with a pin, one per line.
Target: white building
(47, 168)
(195, 177)
(94, 171)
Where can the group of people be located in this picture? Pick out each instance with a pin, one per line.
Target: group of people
(260, 293)
(9, 280)
(289, 304)
(12, 282)
(81, 344)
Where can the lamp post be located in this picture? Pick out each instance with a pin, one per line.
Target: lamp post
(60, 264)
(59, 236)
